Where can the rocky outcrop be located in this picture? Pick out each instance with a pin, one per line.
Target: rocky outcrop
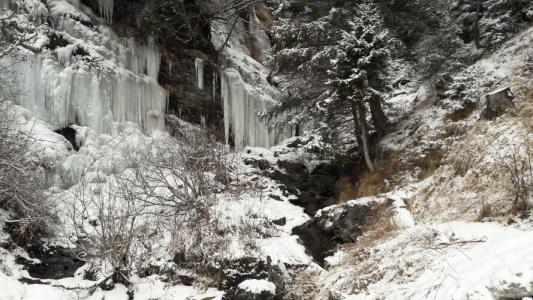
(335, 225)
(498, 102)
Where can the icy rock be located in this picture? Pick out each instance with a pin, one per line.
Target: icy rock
(254, 289)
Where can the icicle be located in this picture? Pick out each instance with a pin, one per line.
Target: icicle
(199, 66)
(169, 63)
(153, 58)
(138, 58)
(87, 97)
(241, 108)
(203, 121)
(106, 9)
(64, 54)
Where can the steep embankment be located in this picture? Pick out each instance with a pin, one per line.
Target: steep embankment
(449, 169)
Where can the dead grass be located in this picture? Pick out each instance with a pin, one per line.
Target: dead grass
(345, 189)
(429, 163)
(461, 114)
(264, 16)
(382, 179)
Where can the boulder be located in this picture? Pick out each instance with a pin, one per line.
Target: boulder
(335, 225)
(255, 289)
(498, 102)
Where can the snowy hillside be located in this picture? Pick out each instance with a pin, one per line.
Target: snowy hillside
(258, 150)
(463, 243)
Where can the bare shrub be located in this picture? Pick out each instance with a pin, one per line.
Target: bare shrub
(169, 192)
(517, 162)
(22, 180)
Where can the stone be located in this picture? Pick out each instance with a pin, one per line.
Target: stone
(498, 102)
(280, 222)
(332, 226)
(254, 289)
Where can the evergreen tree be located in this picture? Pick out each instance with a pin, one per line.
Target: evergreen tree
(337, 62)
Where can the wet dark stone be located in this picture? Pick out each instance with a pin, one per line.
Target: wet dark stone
(280, 222)
(261, 164)
(70, 134)
(56, 263)
(331, 228)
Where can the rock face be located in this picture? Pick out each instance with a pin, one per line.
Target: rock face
(315, 189)
(498, 102)
(334, 225)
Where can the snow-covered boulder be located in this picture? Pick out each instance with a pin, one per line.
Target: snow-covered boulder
(255, 289)
(335, 225)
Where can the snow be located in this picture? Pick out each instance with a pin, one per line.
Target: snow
(284, 249)
(473, 271)
(256, 286)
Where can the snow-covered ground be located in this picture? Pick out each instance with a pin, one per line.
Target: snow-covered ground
(452, 246)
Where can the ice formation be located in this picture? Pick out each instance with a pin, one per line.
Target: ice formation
(243, 107)
(87, 96)
(106, 9)
(199, 66)
(112, 80)
(141, 59)
(215, 83)
(37, 11)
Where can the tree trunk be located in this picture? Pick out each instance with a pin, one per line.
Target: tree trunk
(476, 24)
(378, 116)
(359, 115)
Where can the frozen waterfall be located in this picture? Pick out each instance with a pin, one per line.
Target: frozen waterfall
(141, 59)
(242, 109)
(105, 8)
(199, 66)
(87, 96)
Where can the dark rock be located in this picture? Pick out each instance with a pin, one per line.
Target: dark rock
(459, 87)
(332, 226)
(70, 134)
(295, 144)
(498, 102)
(240, 270)
(275, 197)
(56, 41)
(56, 263)
(280, 222)
(261, 164)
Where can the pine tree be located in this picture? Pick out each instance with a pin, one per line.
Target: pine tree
(333, 65)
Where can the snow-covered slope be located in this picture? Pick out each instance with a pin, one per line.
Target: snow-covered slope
(464, 242)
